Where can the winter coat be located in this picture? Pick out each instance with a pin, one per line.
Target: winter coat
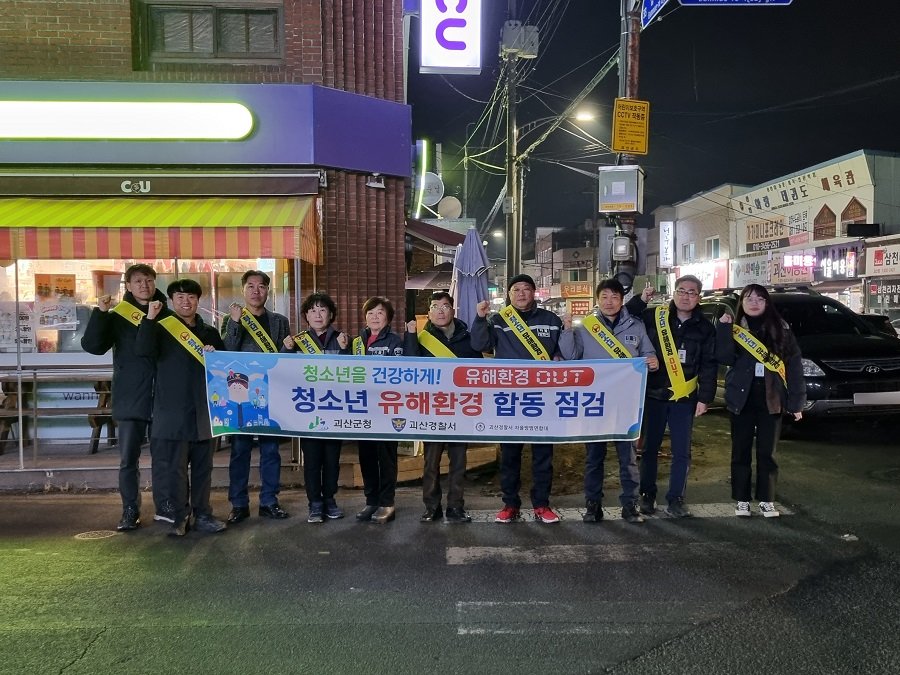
(460, 343)
(697, 337)
(180, 407)
(132, 379)
(578, 343)
(741, 374)
(388, 343)
(238, 339)
(493, 334)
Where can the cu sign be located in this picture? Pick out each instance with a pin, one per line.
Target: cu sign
(451, 37)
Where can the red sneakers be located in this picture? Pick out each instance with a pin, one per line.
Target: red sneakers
(545, 514)
(507, 515)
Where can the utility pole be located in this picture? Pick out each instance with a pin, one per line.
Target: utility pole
(513, 233)
(629, 57)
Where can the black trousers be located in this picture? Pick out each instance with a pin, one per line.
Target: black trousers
(321, 464)
(188, 494)
(754, 422)
(378, 465)
(131, 436)
(431, 477)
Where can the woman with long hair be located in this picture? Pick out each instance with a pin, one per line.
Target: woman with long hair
(764, 381)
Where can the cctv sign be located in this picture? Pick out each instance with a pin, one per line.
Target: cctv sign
(451, 37)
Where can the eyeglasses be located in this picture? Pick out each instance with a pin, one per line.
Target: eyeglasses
(686, 294)
(440, 308)
(753, 298)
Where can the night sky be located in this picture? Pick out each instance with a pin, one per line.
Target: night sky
(738, 95)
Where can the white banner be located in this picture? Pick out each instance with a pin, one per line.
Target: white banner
(379, 398)
(882, 260)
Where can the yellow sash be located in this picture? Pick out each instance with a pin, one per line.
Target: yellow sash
(597, 330)
(759, 352)
(256, 331)
(525, 335)
(680, 387)
(129, 312)
(359, 349)
(184, 336)
(307, 344)
(435, 346)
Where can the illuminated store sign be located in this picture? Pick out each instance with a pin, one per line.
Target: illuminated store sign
(451, 37)
(124, 120)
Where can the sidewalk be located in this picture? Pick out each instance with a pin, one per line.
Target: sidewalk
(70, 467)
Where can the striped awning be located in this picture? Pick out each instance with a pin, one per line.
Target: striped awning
(213, 227)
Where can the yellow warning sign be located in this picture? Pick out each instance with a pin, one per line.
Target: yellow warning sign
(631, 126)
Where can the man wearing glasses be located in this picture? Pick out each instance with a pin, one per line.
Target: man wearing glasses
(445, 336)
(679, 391)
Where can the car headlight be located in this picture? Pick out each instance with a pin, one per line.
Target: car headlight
(811, 369)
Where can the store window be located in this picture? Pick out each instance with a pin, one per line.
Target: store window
(55, 297)
(211, 31)
(578, 275)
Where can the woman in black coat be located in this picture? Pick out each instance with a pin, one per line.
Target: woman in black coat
(765, 380)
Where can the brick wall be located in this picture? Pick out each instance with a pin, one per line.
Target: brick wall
(354, 45)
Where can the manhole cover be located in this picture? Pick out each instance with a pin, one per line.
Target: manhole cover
(96, 534)
(889, 475)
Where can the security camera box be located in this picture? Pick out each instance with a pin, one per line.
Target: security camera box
(621, 189)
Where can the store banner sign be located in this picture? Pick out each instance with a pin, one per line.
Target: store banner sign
(882, 260)
(752, 269)
(666, 243)
(429, 399)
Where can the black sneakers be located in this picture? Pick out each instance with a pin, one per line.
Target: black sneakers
(208, 524)
(648, 504)
(676, 509)
(131, 518)
(593, 512)
(432, 515)
(630, 514)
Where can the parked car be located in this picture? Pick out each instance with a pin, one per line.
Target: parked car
(849, 367)
(880, 323)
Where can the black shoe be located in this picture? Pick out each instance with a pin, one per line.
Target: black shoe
(274, 511)
(206, 523)
(333, 511)
(238, 513)
(131, 518)
(676, 509)
(593, 512)
(648, 504)
(630, 514)
(432, 514)
(180, 528)
(458, 515)
(366, 513)
(316, 513)
(165, 513)
(384, 514)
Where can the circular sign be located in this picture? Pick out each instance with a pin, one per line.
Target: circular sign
(449, 207)
(432, 188)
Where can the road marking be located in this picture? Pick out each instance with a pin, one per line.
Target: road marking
(584, 553)
(720, 510)
(582, 618)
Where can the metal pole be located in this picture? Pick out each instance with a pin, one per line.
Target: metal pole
(512, 190)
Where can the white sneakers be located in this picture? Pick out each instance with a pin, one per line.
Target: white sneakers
(767, 509)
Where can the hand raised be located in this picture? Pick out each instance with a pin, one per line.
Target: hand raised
(153, 309)
(234, 310)
(482, 308)
(104, 302)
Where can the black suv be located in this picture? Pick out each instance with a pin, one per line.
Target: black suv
(850, 368)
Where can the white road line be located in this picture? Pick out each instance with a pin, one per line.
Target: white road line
(583, 553)
(721, 510)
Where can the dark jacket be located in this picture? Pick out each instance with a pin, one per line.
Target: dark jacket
(328, 345)
(697, 337)
(237, 339)
(460, 343)
(740, 375)
(132, 379)
(493, 334)
(388, 343)
(180, 408)
(577, 343)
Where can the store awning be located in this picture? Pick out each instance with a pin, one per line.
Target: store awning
(146, 227)
(434, 235)
(436, 277)
(835, 285)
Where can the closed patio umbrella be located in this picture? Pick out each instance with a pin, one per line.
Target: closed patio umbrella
(471, 287)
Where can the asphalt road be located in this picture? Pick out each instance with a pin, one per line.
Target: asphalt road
(815, 591)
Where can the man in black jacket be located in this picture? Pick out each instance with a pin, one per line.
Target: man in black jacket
(181, 428)
(680, 390)
(447, 337)
(132, 388)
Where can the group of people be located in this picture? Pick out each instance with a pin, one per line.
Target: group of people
(159, 377)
